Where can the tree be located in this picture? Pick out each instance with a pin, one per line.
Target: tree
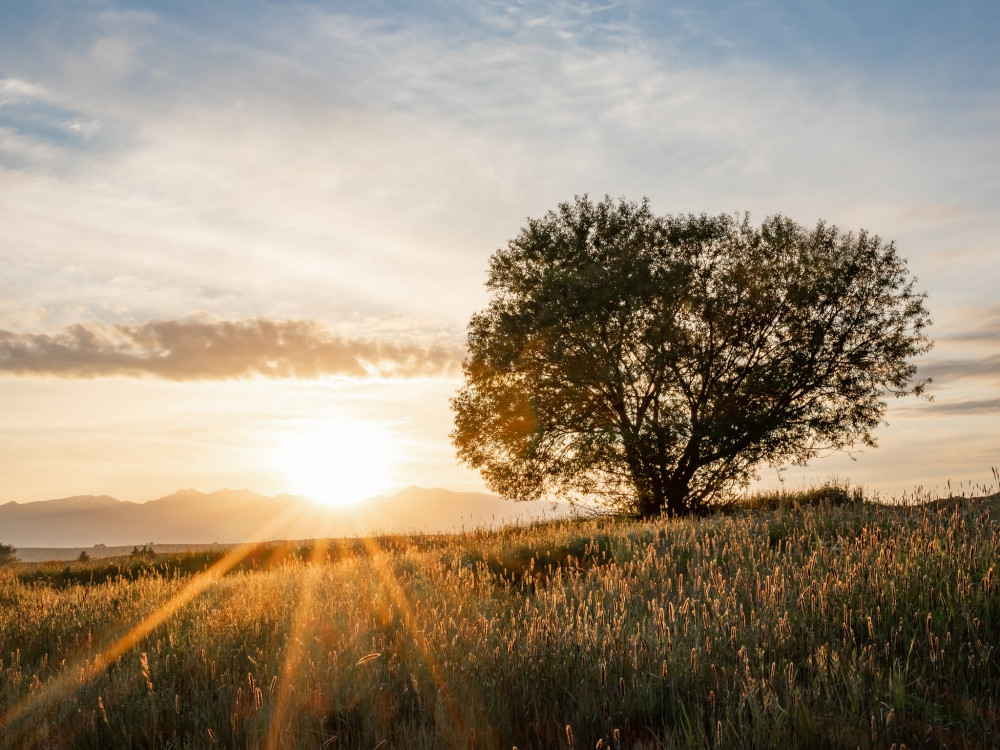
(8, 554)
(83, 557)
(656, 362)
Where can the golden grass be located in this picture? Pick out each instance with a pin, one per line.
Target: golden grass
(831, 626)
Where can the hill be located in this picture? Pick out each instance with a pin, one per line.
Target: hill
(232, 516)
(824, 625)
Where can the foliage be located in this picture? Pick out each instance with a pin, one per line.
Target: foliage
(656, 362)
(8, 554)
(83, 557)
(831, 493)
(830, 626)
(145, 552)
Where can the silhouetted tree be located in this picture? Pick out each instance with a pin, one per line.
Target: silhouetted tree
(83, 557)
(654, 362)
(146, 552)
(8, 554)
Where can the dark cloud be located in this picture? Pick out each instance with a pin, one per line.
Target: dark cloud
(958, 408)
(206, 349)
(945, 371)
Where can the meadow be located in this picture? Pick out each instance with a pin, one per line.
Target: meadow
(821, 621)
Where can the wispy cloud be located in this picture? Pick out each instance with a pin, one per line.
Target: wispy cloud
(371, 160)
(358, 162)
(971, 407)
(946, 371)
(39, 132)
(207, 349)
(13, 89)
(987, 330)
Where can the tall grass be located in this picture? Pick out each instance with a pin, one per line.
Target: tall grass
(834, 626)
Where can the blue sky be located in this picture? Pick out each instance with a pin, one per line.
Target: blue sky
(355, 165)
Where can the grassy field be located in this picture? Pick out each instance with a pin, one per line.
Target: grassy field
(807, 625)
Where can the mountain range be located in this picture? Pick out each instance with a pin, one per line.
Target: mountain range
(231, 516)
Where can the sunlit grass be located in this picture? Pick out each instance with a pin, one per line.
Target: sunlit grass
(818, 626)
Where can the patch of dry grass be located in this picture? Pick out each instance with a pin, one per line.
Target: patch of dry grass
(829, 625)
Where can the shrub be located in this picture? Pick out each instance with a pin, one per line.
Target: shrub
(831, 493)
(8, 554)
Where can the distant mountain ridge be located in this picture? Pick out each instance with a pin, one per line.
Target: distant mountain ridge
(226, 516)
(77, 502)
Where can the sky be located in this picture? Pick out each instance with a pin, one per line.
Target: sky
(312, 192)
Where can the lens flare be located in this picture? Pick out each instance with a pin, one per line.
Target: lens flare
(337, 462)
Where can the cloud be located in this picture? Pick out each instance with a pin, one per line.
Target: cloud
(971, 407)
(208, 349)
(371, 161)
(987, 331)
(945, 371)
(12, 89)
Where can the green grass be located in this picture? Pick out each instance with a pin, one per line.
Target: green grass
(825, 624)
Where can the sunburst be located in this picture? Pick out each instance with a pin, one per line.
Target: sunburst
(337, 462)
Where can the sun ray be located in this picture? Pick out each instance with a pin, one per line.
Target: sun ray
(295, 644)
(458, 716)
(87, 667)
(461, 710)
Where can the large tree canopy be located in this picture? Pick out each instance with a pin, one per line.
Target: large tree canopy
(653, 362)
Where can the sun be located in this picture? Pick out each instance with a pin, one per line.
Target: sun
(337, 462)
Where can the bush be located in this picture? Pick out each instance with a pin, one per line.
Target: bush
(829, 494)
(146, 552)
(8, 554)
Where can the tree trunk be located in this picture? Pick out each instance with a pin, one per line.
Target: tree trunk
(675, 496)
(655, 497)
(659, 490)
(649, 498)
